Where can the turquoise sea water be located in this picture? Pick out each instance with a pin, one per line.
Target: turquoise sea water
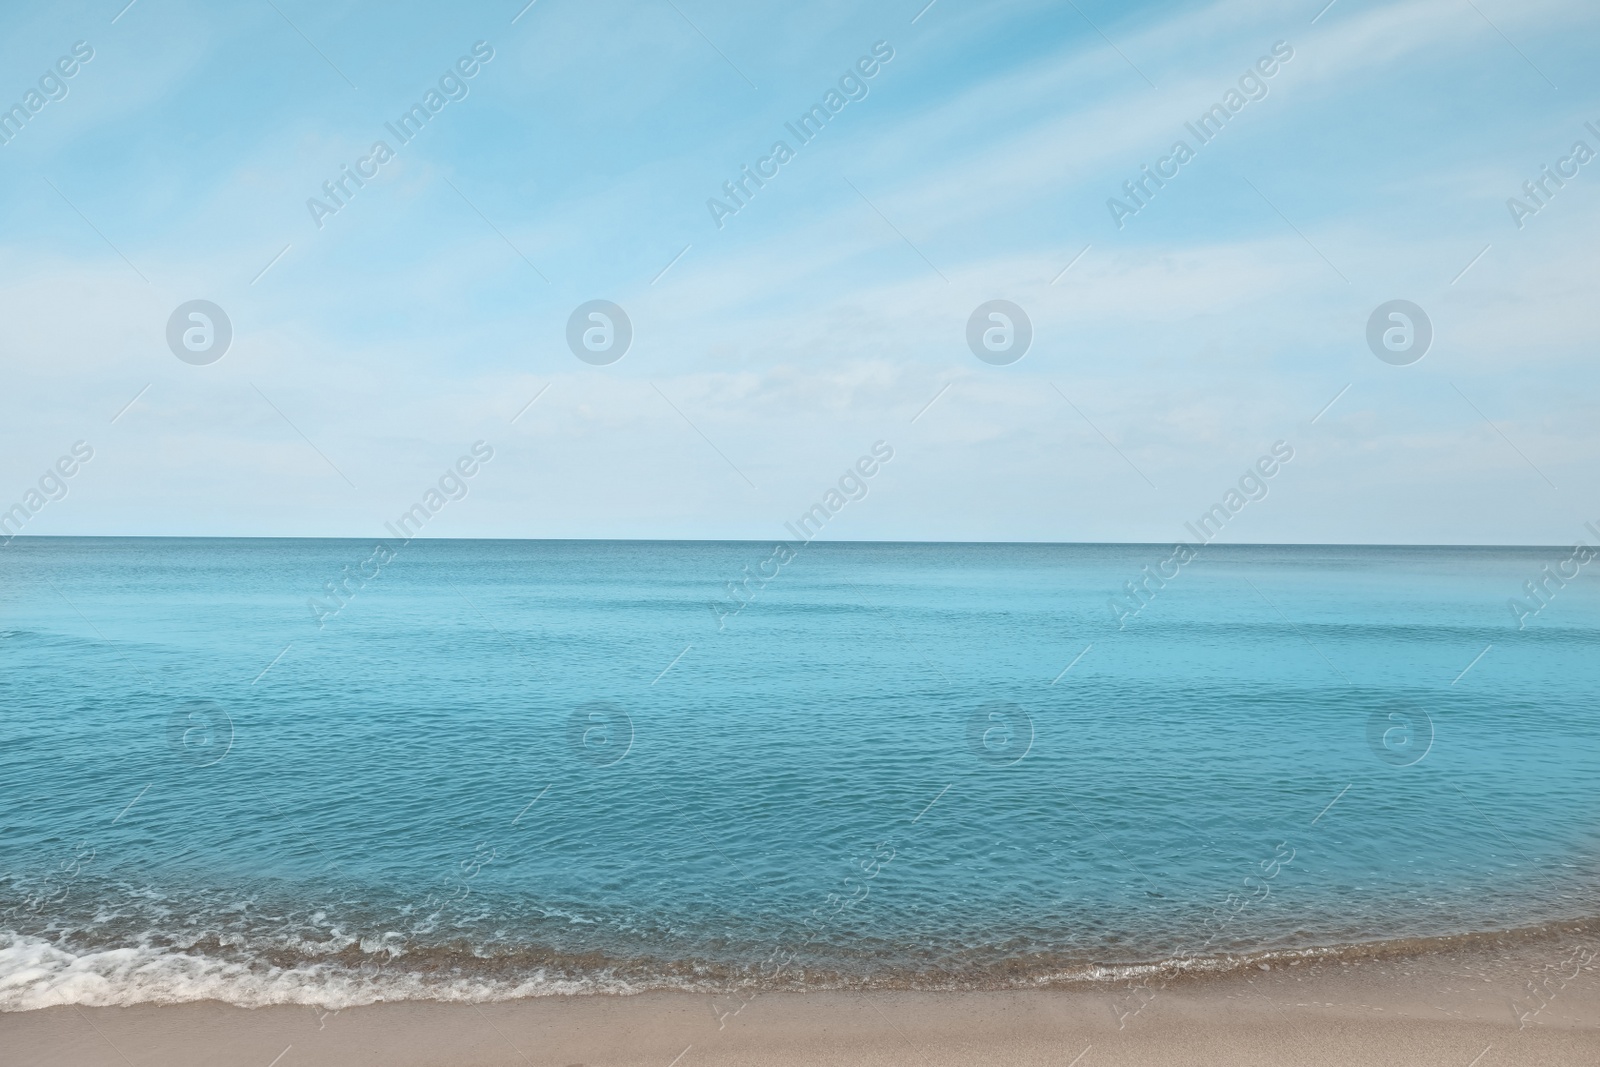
(521, 767)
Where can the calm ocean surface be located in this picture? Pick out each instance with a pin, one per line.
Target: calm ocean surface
(505, 768)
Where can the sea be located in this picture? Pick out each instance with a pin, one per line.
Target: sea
(334, 772)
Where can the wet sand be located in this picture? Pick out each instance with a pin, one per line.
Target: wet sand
(1485, 1006)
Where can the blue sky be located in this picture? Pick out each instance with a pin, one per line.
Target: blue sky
(825, 315)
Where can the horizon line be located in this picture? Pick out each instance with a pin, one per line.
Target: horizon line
(762, 540)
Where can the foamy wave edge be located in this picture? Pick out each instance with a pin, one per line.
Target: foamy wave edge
(36, 974)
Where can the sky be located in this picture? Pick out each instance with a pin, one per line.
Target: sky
(1172, 346)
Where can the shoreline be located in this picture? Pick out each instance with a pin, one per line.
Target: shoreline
(1446, 1008)
(36, 974)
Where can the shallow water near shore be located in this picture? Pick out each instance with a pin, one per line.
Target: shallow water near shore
(511, 768)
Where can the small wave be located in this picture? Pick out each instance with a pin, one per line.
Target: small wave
(36, 973)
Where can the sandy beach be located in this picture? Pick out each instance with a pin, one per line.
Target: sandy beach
(1458, 1010)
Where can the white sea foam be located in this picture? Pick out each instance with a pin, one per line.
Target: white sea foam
(36, 974)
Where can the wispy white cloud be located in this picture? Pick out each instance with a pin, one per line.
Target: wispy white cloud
(810, 326)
